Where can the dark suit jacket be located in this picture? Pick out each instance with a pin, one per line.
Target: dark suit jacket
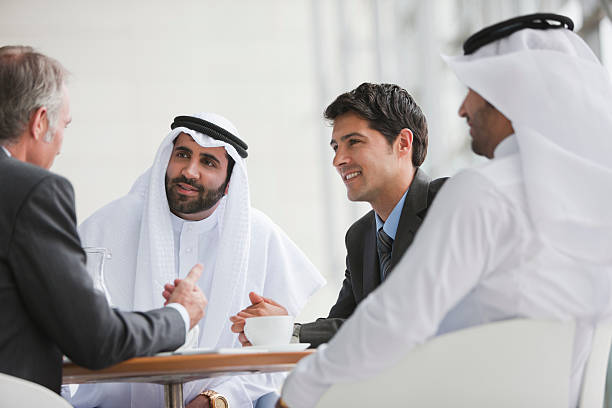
(48, 306)
(362, 274)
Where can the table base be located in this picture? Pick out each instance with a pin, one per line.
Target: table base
(173, 396)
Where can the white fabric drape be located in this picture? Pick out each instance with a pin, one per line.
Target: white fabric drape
(252, 254)
(557, 95)
(156, 257)
(527, 234)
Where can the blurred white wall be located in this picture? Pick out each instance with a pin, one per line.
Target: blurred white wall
(271, 67)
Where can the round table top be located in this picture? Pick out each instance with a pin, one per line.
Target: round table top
(172, 369)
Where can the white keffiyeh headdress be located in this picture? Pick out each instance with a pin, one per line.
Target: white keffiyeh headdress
(558, 96)
(139, 230)
(155, 264)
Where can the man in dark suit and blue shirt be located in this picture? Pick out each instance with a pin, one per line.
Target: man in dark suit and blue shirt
(49, 305)
(380, 140)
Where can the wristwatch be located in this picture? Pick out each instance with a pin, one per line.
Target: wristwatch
(216, 400)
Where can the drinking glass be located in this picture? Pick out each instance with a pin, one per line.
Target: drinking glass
(95, 267)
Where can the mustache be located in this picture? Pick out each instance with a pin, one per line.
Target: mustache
(183, 179)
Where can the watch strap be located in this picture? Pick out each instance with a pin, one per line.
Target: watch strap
(216, 400)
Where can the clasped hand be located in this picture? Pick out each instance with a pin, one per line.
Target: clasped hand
(187, 293)
(260, 306)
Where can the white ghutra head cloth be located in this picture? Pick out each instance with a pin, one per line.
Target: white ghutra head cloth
(558, 96)
(156, 258)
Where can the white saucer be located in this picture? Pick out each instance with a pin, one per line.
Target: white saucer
(189, 351)
(280, 348)
(240, 350)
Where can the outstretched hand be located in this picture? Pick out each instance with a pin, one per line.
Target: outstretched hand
(260, 306)
(169, 288)
(187, 293)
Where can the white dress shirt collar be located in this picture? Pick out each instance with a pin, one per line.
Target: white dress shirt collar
(199, 227)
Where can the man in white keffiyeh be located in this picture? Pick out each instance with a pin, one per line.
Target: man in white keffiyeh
(192, 206)
(527, 234)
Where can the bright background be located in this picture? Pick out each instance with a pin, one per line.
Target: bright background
(271, 67)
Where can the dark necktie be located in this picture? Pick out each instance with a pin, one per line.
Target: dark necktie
(384, 244)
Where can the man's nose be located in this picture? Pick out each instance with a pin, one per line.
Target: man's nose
(340, 158)
(190, 171)
(462, 112)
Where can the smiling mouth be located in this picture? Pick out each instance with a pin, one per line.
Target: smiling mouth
(350, 176)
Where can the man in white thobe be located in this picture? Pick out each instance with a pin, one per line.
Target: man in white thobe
(527, 234)
(192, 206)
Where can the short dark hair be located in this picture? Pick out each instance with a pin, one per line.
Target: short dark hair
(230, 168)
(389, 109)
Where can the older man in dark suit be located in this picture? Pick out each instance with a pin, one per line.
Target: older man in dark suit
(380, 140)
(49, 306)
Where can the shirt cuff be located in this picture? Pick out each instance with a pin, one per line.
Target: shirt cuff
(295, 338)
(181, 309)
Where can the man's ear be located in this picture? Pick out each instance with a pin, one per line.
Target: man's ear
(226, 188)
(39, 123)
(404, 141)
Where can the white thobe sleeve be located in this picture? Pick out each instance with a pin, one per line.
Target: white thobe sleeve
(449, 256)
(290, 278)
(85, 395)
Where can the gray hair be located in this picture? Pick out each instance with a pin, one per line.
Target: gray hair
(28, 81)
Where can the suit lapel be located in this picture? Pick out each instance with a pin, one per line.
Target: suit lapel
(410, 220)
(371, 273)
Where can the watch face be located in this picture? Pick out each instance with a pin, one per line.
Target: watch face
(220, 403)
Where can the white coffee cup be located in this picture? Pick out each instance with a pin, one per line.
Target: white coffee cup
(269, 330)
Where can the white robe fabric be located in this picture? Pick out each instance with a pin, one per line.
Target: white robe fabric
(476, 259)
(526, 235)
(249, 253)
(557, 96)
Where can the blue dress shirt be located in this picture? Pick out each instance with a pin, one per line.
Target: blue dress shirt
(390, 226)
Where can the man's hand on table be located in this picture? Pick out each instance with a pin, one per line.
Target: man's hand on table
(201, 401)
(187, 293)
(260, 306)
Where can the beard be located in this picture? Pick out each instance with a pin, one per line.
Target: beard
(205, 199)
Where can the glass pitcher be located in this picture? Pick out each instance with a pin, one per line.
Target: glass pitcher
(95, 267)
